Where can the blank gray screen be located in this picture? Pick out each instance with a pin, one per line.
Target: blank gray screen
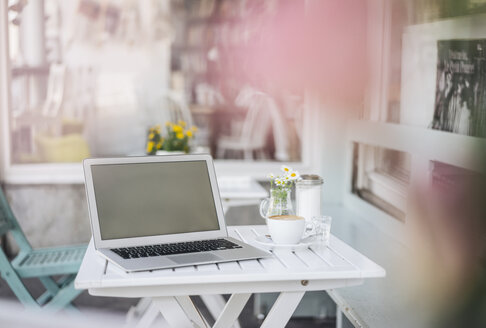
(149, 199)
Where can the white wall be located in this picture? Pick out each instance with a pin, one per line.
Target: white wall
(334, 118)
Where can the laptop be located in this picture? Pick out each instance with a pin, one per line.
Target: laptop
(157, 212)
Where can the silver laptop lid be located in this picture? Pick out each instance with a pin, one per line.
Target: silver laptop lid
(137, 201)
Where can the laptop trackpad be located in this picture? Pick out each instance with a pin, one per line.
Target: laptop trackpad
(193, 258)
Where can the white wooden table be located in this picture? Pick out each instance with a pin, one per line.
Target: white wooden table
(290, 273)
(240, 191)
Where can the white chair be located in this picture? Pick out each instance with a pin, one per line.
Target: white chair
(263, 113)
(177, 108)
(55, 91)
(162, 106)
(48, 116)
(52, 105)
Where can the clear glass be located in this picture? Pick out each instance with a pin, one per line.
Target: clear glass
(322, 225)
(279, 203)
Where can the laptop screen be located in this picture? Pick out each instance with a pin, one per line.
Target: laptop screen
(151, 199)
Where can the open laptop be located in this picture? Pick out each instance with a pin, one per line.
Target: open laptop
(159, 212)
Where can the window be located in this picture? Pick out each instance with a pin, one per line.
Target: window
(381, 177)
(93, 77)
(395, 146)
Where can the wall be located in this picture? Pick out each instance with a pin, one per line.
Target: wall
(334, 117)
(51, 215)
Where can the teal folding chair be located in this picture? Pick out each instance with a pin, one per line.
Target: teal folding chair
(40, 263)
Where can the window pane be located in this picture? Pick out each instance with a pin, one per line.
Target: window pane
(238, 112)
(90, 78)
(381, 177)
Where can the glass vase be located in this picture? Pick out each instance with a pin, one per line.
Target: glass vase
(278, 204)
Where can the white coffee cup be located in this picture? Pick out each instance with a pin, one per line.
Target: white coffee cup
(287, 229)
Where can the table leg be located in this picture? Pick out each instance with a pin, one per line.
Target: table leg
(232, 310)
(339, 317)
(191, 311)
(137, 311)
(179, 312)
(148, 317)
(283, 309)
(215, 305)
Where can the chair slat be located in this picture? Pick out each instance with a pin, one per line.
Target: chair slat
(5, 225)
(44, 261)
(4, 228)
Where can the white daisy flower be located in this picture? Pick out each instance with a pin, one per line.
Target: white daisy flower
(278, 181)
(270, 175)
(294, 175)
(285, 169)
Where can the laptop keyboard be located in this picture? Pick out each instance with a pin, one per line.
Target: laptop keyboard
(175, 248)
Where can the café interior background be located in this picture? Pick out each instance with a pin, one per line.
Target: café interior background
(266, 83)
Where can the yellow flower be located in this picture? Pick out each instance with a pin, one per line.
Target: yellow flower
(151, 135)
(157, 128)
(159, 144)
(182, 123)
(168, 123)
(180, 135)
(294, 175)
(194, 128)
(189, 133)
(286, 169)
(177, 128)
(150, 146)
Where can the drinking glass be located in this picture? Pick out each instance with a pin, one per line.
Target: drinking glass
(322, 225)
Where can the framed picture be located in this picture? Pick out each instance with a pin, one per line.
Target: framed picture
(460, 94)
(444, 75)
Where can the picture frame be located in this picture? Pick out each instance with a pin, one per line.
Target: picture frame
(419, 63)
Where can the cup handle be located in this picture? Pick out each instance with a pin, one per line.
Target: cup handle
(310, 229)
(264, 207)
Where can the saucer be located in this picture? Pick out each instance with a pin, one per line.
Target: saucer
(266, 240)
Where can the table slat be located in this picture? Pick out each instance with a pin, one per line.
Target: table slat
(229, 267)
(311, 259)
(246, 234)
(207, 268)
(251, 266)
(329, 256)
(191, 268)
(272, 263)
(290, 260)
